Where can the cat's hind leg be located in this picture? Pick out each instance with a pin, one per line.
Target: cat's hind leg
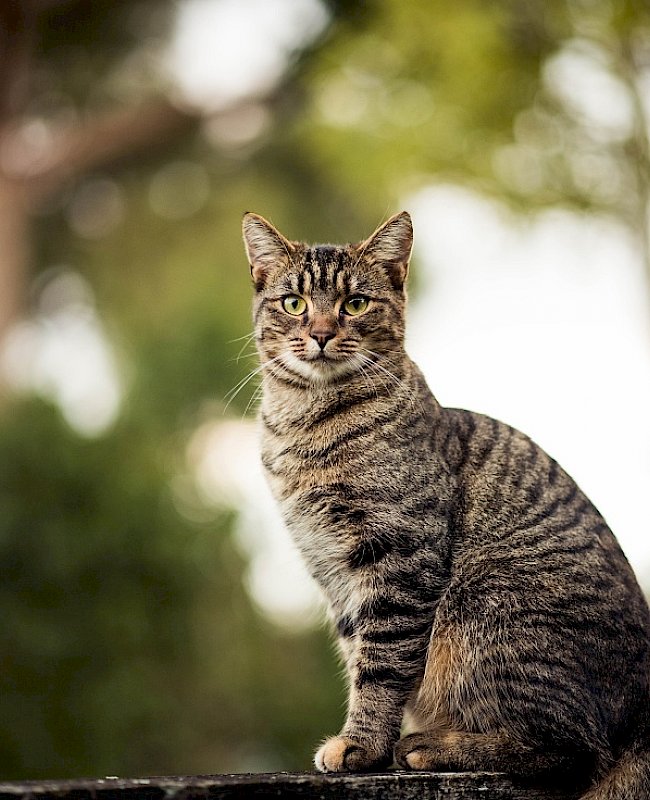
(455, 751)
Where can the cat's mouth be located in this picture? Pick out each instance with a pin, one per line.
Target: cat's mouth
(325, 361)
(321, 366)
(322, 357)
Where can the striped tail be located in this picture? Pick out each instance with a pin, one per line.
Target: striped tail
(629, 778)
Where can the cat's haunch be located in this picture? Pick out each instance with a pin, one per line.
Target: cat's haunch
(476, 591)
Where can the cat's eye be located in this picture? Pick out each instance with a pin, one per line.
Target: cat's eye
(294, 305)
(355, 305)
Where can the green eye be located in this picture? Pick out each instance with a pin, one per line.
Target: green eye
(294, 305)
(355, 305)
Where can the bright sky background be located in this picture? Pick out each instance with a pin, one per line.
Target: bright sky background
(224, 51)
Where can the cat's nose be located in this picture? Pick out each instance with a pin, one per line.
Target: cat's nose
(322, 336)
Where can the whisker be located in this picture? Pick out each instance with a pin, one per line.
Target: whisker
(257, 394)
(367, 381)
(230, 396)
(241, 338)
(376, 374)
(375, 366)
(248, 340)
(241, 354)
(245, 345)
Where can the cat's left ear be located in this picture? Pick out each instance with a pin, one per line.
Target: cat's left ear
(390, 246)
(266, 247)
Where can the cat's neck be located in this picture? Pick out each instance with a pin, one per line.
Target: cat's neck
(291, 404)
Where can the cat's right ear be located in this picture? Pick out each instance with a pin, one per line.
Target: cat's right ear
(266, 248)
(390, 246)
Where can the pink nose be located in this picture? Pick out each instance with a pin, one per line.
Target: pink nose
(322, 337)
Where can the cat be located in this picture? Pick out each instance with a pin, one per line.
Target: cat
(474, 588)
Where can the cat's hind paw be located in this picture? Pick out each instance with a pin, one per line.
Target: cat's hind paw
(342, 754)
(423, 751)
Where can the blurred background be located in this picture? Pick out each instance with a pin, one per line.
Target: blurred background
(153, 616)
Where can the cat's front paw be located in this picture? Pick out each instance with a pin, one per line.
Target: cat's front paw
(343, 754)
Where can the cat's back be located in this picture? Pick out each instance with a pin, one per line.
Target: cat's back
(540, 588)
(519, 508)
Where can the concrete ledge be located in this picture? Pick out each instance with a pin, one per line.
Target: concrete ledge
(394, 785)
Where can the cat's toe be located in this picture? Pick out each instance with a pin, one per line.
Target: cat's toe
(419, 751)
(342, 754)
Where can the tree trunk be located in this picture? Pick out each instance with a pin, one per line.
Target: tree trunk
(14, 253)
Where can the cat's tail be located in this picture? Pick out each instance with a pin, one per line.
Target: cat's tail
(629, 778)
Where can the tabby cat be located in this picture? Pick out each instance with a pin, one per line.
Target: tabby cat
(474, 587)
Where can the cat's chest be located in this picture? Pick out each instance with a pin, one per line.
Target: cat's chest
(310, 510)
(343, 481)
(325, 549)
(294, 458)
(310, 494)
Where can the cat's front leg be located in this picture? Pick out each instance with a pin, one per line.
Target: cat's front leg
(387, 647)
(362, 746)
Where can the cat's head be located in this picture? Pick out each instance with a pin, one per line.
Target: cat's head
(323, 313)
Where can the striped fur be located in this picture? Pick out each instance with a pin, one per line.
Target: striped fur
(472, 584)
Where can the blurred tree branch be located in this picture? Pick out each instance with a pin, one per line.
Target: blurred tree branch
(99, 142)
(16, 31)
(104, 140)
(27, 180)
(16, 41)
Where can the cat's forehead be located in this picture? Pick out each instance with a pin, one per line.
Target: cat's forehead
(324, 268)
(328, 269)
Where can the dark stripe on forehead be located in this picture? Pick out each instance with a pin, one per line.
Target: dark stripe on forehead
(322, 262)
(301, 282)
(309, 267)
(324, 256)
(340, 264)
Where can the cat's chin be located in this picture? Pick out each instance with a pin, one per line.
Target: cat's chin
(321, 370)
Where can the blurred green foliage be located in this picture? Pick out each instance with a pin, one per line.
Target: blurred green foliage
(129, 644)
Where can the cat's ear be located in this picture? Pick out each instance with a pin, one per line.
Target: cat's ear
(266, 248)
(390, 246)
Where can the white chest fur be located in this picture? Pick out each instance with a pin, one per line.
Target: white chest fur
(325, 551)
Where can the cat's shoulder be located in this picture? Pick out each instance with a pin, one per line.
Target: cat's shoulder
(488, 443)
